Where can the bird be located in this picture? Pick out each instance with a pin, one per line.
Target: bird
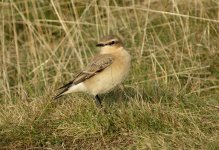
(107, 69)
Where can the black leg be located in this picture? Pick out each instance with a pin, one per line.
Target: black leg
(98, 101)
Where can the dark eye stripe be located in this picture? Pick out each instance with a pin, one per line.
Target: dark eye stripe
(110, 43)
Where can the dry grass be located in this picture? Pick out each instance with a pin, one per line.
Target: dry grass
(170, 100)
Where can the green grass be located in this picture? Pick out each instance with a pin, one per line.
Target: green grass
(169, 101)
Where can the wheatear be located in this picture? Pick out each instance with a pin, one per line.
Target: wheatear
(108, 69)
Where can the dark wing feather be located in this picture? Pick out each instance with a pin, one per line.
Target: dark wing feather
(99, 63)
(66, 85)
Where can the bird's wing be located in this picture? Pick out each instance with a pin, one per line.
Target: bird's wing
(99, 63)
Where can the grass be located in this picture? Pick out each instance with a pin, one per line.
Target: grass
(169, 101)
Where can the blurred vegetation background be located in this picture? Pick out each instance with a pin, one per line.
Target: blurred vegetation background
(169, 101)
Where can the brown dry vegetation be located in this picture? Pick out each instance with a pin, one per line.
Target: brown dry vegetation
(169, 101)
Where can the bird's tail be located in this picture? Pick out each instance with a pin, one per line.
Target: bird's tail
(65, 89)
(60, 94)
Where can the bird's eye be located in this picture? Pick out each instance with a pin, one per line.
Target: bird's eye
(113, 42)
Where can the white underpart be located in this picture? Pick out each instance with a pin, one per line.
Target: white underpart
(76, 88)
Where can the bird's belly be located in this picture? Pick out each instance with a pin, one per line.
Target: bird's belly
(107, 79)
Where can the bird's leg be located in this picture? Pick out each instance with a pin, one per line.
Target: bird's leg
(98, 101)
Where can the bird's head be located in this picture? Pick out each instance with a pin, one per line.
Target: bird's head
(110, 44)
